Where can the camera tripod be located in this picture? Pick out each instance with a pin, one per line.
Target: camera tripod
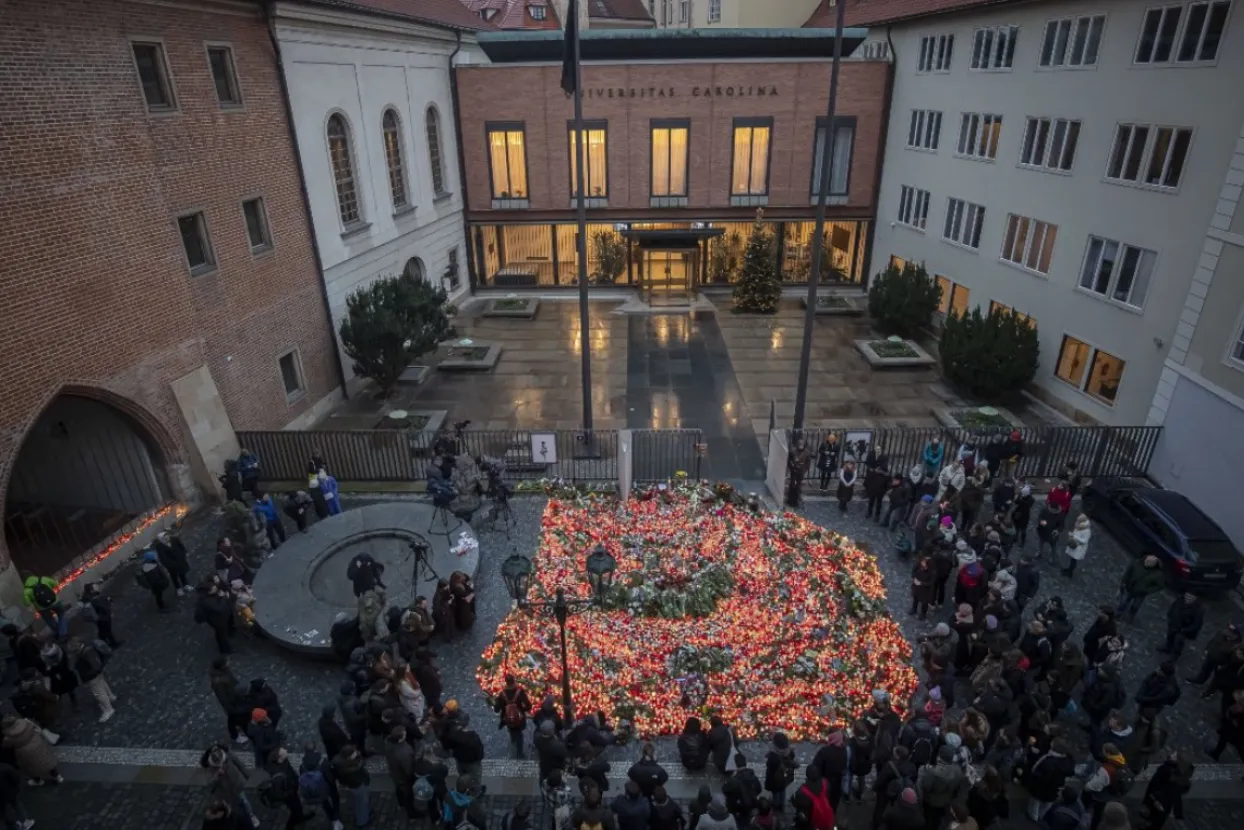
(500, 511)
(423, 562)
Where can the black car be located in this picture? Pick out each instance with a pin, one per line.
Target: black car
(1194, 550)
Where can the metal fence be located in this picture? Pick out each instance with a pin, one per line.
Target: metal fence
(660, 454)
(1097, 451)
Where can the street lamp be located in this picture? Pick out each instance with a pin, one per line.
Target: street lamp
(517, 570)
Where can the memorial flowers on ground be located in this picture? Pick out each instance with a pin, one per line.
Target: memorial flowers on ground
(717, 607)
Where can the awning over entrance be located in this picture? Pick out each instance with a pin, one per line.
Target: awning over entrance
(671, 238)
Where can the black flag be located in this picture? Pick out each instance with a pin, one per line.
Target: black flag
(570, 57)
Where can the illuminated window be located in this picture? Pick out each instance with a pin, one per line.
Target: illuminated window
(1148, 154)
(669, 157)
(342, 159)
(433, 120)
(979, 134)
(1089, 369)
(1029, 243)
(595, 161)
(750, 173)
(993, 48)
(507, 157)
(1072, 42)
(994, 305)
(954, 297)
(392, 130)
(1116, 271)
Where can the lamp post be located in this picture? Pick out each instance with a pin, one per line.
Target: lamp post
(517, 570)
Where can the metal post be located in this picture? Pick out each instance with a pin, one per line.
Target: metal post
(814, 276)
(561, 611)
(581, 205)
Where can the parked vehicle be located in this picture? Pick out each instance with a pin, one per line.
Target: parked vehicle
(1196, 553)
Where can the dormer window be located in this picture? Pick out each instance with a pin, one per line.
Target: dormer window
(537, 12)
(488, 14)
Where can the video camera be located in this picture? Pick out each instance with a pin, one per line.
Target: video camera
(494, 470)
(442, 490)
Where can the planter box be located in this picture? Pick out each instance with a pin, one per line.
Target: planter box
(454, 363)
(948, 417)
(414, 375)
(851, 307)
(919, 359)
(422, 420)
(497, 308)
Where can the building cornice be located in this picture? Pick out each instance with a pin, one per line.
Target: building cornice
(329, 18)
(237, 8)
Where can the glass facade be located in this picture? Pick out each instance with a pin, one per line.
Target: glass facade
(545, 254)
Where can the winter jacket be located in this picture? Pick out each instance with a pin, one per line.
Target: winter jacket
(648, 774)
(693, 750)
(831, 760)
(666, 815)
(1220, 646)
(903, 816)
(153, 577)
(1139, 581)
(1027, 580)
(633, 811)
(1060, 497)
(950, 478)
(1003, 494)
(264, 737)
(229, 779)
(266, 510)
(1045, 777)
(28, 591)
(399, 759)
(1006, 584)
(922, 580)
(901, 496)
(1185, 618)
(1050, 523)
(717, 819)
(1077, 542)
(88, 664)
(226, 687)
(1064, 816)
(846, 483)
(1021, 514)
(933, 455)
(876, 481)
(172, 555)
(1157, 690)
(350, 771)
(827, 456)
(1106, 694)
(33, 754)
(942, 784)
(721, 743)
(920, 737)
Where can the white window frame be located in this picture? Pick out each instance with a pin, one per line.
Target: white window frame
(714, 11)
(544, 12)
(1029, 238)
(1234, 356)
(684, 11)
(296, 356)
(993, 48)
(925, 128)
(936, 52)
(1151, 140)
(1091, 266)
(1047, 141)
(1069, 29)
(913, 208)
(1082, 386)
(964, 223)
(1181, 31)
(970, 141)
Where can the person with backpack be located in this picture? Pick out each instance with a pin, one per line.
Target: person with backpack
(693, 746)
(39, 593)
(458, 802)
(905, 813)
(281, 788)
(352, 776)
(97, 608)
(513, 705)
(592, 813)
(741, 792)
(428, 790)
(941, 785)
(229, 779)
(811, 802)
(551, 752)
(646, 772)
(591, 769)
(631, 808)
(317, 786)
(894, 776)
(780, 766)
(466, 747)
(1105, 781)
(556, 797)
(153, 576)
(88, 662)
(666, 813)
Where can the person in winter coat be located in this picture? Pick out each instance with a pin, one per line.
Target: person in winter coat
(950, 481)
(88, 663)
(905, 813)
(1159, 689)
(1099, 633)
(1049, 529)
(215, 609)
(399, 759)
(972, 582)
(1217, 652)
(720, 744)
(1021, 513)
(248, 470)
(966, 628)
(173, 556)
(646, 772)
(893, 777)
(666, 812)
(1230, 729)
(232, 697)
(876, 483)
(1183, 622)
(899, 497)
(631, 808)
(923, 578)
(813, 810)
(1143, 577)
(780, 766)
(1148, 740)
(831, 761)
(1003, 496)
(717, 817)
(1027, 580)
(940, 786)
(61, 678)
(827, 459)
(154, 577)
(1104, 782)
(264, 736)
(513, 706)
(1228, 678)
(972, 498)
(265, 509)
(229, 779)
(934, 452)
(1061, 496)
(796, 471)
(1103, 696)
(30, 750)
(296, 506)
(847, 478)
(35, 701)
(1068, 812)
(943, 567)
(1077, 544)
(693, 748)
(1069, 665)
(1164, 794)
(699, 807)
(1036, 646)
(1004, 580)
(353, 777)
(592, 812)
(1045, 777)
(97, 608)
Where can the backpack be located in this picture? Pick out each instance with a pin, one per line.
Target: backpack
(469, 746)
(43, 596)
(512, 715)
(312, 787)
(1121, 782)
(590, 825)
(276, 791)
(820, 814)
(455, 808)
(921, 751)
(743, 799)
(901, 782)
(422, 794)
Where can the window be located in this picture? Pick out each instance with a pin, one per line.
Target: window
(342, 159)
(993, 48)
(195, 241)
(291, 375)
(840, 165)
(414, 269)
(1072, 42)
(451, 269)
(684, 7)
(507, 161)
(1089, 369)
(1168, 34)
(954, 297)
(669, 158)
(750, 174)
(1116, 271)
(1148, 154)
(964, 221)
(595, 161)
(256, 215)
(538, 12)
(392, 130)
(913, 207)
(925, 130)
(1029, 243)
(897, 262)
(154, 77)
(978, 135)
(434, 151)
(1237, 350)
(224, 76)
(1050, 143)
(994, 305)
(935, 53)
(714, 11)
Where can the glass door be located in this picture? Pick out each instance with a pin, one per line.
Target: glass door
(667, 275)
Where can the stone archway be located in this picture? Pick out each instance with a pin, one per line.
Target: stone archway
(89, 466)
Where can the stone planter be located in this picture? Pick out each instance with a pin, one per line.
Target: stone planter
(421, 420)
(835, 305)
(521, 307)
(969, 418)
(915, 356)
(413, 375)
(473, 357)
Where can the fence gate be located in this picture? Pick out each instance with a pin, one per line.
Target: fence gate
(660, 454)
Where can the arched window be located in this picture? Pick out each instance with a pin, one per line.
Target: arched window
(342, 158)
(414, 268)
(393, 157)
(434, 151)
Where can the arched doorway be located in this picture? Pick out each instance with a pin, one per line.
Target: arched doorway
(414, 268)
(84, 472)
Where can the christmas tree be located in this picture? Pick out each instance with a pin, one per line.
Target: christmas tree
(758, 289)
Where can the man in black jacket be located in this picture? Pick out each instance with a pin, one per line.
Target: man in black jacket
(172, 553)
(1027, 580)
(513, 705)
(89, 662)
(332, 735)
(831, 760)
(1159, 689)
(646, 772)
(1183, 623)
(591, 770)
(550, 749)
(216, 609)
(97, 608)
(465, 746)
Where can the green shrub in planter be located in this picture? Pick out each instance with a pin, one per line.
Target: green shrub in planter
(989, 355)
(903, 301)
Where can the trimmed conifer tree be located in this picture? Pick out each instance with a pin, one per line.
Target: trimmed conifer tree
(902, 301)
(989, 355)
(759, 288)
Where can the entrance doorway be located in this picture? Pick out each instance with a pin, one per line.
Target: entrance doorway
(667, 277)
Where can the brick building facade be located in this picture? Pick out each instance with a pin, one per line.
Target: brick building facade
(156, 250)
(669, 144)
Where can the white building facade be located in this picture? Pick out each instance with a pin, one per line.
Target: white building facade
(373, 114)
(1064, 159)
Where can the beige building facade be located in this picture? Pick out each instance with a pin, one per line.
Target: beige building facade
(730, 14)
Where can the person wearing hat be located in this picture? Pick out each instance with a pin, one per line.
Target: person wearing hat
(39, 593)
(1069, 812)
(813, 808)
(924, 522)
(905, 813)
(265, 738)
(780, 766)
(154, 577)
(941, 785)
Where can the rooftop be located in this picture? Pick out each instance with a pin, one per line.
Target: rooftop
(667, 44)
(516, 14)
(619, 10)
(450, 14)
(880, 12)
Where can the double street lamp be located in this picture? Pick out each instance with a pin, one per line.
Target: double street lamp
(517, 570)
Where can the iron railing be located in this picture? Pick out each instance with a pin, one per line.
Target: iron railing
(661, 454)
(1097, 451)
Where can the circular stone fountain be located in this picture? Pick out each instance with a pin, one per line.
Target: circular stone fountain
(302, 588)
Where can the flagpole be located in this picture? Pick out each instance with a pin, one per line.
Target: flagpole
(581, 206)
(822, 196)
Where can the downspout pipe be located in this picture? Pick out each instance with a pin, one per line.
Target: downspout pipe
(270, 20)
(462, 173)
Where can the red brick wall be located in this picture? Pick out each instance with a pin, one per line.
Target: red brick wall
(95, 286)
(533, 94)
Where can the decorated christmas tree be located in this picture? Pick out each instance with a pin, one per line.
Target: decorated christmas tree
(758, 289)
